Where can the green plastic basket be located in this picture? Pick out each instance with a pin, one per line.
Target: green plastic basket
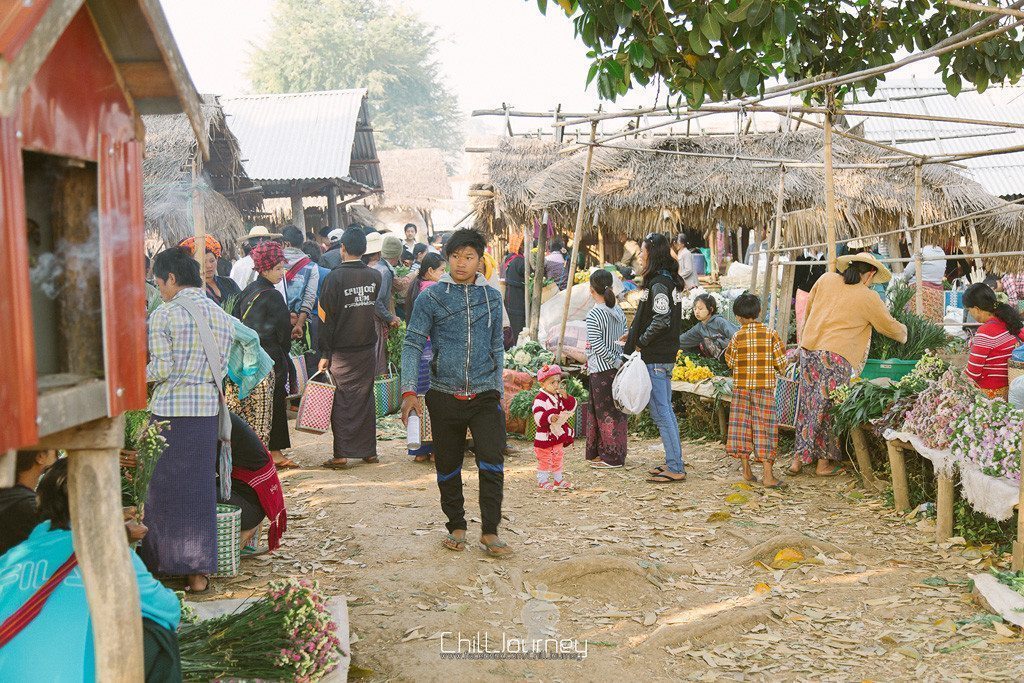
(229, 539)
(893, 369)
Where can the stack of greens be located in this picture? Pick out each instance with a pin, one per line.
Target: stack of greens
(529, 357)
(142, 435)
(396, 339)
(922, 335)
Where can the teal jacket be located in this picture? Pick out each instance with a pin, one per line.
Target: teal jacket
(248, 363)
(57, 645)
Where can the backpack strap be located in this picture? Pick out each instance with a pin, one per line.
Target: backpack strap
(24, 615)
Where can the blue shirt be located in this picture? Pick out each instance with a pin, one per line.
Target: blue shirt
(57, 645)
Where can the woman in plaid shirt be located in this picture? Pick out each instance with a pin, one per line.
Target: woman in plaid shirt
(755, 355)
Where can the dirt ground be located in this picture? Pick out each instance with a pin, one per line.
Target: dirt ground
(678, 582)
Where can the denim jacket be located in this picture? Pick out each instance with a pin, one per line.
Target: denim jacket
(463, 324)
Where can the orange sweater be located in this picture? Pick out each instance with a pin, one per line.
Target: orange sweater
(840, 317)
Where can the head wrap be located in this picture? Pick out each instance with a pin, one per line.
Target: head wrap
(211, 244)
(266, 255)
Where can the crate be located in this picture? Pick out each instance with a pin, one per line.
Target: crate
(893, 369)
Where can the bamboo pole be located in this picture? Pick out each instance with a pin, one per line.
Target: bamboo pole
(974, 243)
(918, 256)
(943, 508)
(527, 269)
(600, 246)
(198, 215)
(898, 467)
(538, 278)
(758, 238)
(577, 236)
(773, 272)
(830, 193)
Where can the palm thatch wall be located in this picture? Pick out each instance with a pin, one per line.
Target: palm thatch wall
(224, 192)
(635, 190)
(413, 179)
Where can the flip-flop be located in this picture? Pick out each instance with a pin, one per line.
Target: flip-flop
(602, 465)
(287, 464)
(490, 548)
(834, 472)
(665, 479)
(332, 465)
(460, 543)
(655, 471)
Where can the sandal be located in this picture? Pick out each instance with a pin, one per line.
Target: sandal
(287, 464)
(655, 471)
(602, 465)
(834, 472)
(497, 548)
(454, 543)
(664, 478)
(335, 465)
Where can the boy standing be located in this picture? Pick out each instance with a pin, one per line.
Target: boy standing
(755, 355)
(461, 316)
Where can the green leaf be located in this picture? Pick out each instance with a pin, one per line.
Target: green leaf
(695, 94)
(623, 16)
(590, 74)
(699, 44)
(785, 20)
(953, 84)
(749, 79)
(709, 27)
(758, 12)
(662, 44)
(542, 5)
(615, 70)
(634, 5)
(740, 13)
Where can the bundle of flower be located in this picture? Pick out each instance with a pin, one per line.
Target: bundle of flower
(988, 435)
(287, 635)
(688, 371)
(938, 407)
(396, 339)
(143, 446)
(528, 357)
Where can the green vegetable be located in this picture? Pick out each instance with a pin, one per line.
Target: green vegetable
(396, 339)
(922, 335)
(521, 406)
(528, 357)
(1014, 580)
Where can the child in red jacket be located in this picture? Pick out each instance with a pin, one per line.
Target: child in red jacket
(552, 409)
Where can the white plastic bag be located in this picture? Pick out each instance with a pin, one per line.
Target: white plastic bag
(631, 388)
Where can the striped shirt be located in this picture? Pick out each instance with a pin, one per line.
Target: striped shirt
(990, 354)
(755, 355)
(546, 407)
(184, 386)
(605, 326)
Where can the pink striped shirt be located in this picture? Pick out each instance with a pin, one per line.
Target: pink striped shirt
(990, 354)
(545, 407)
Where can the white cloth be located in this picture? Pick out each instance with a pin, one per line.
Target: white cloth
(243, 273)
(931, 271)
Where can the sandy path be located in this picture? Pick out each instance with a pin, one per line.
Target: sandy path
(658, 590)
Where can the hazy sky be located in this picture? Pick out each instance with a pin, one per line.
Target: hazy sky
(491, 51)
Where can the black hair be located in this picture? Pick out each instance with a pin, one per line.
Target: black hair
(557, 244)
(682, 240)
(312, 250)
(178, 260)
(709, 303)
(466, 237)
(855, 270)
(430, 261)
(420, 248)
(437, 237)
(747, 306)
(367, 230)
(410, 225)
(53, 496)
(354, 241)
(25, 461)
(247, 247)
(659, 258)
(601, 282)
(293, 236)
(981, 296)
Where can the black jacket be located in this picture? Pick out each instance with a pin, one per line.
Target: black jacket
(262, 308)
(347, 301)
(807, 275)
(18, 512)
(331, 258)
(657, 322)
(515, 294)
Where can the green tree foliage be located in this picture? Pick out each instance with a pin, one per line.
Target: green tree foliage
(338, 44)
(729, 48)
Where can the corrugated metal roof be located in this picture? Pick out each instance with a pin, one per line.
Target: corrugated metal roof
(305, 136)
(1001, 174)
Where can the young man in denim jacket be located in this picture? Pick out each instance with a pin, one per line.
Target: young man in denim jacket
(461, 315)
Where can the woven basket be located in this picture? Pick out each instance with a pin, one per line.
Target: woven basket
(229, 539)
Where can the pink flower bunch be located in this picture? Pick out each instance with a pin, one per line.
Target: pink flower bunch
(313, 649)
(939, 406)
(989, 435)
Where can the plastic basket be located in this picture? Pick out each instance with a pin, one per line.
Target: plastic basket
(893, 369)
(229, 539)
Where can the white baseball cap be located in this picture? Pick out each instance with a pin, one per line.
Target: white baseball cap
(335, 235)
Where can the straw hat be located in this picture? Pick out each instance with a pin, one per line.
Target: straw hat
(261, 231)
(374, 243)
(881, 277)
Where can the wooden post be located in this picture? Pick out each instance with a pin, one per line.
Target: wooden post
(943, 508)
(860, 449)
(784, 305)
(830, 190)
(538, 278)
(527, 269)
(715, 256)
(773, 272)
(332, 207)
(600, 247)
(975, 244)
(918, 256)
(900, 491)
(576, 238)
(755, 246)
(7, 469)
(198, 214)
(298, 212)
(723, 420)
(893, 242)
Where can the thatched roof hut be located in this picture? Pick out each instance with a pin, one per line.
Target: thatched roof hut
(634, 190)
(225, 192)
(414, 179)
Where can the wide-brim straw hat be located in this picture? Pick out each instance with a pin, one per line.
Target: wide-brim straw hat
(262, 232)
(881, 277)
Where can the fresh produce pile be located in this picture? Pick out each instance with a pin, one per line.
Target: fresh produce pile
(988, 434)
(396, 338)
(1014, 580)
(528, 357)
(938, 407)
(286, 635)
(922, 335)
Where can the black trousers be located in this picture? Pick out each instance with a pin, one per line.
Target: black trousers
(449, 418)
